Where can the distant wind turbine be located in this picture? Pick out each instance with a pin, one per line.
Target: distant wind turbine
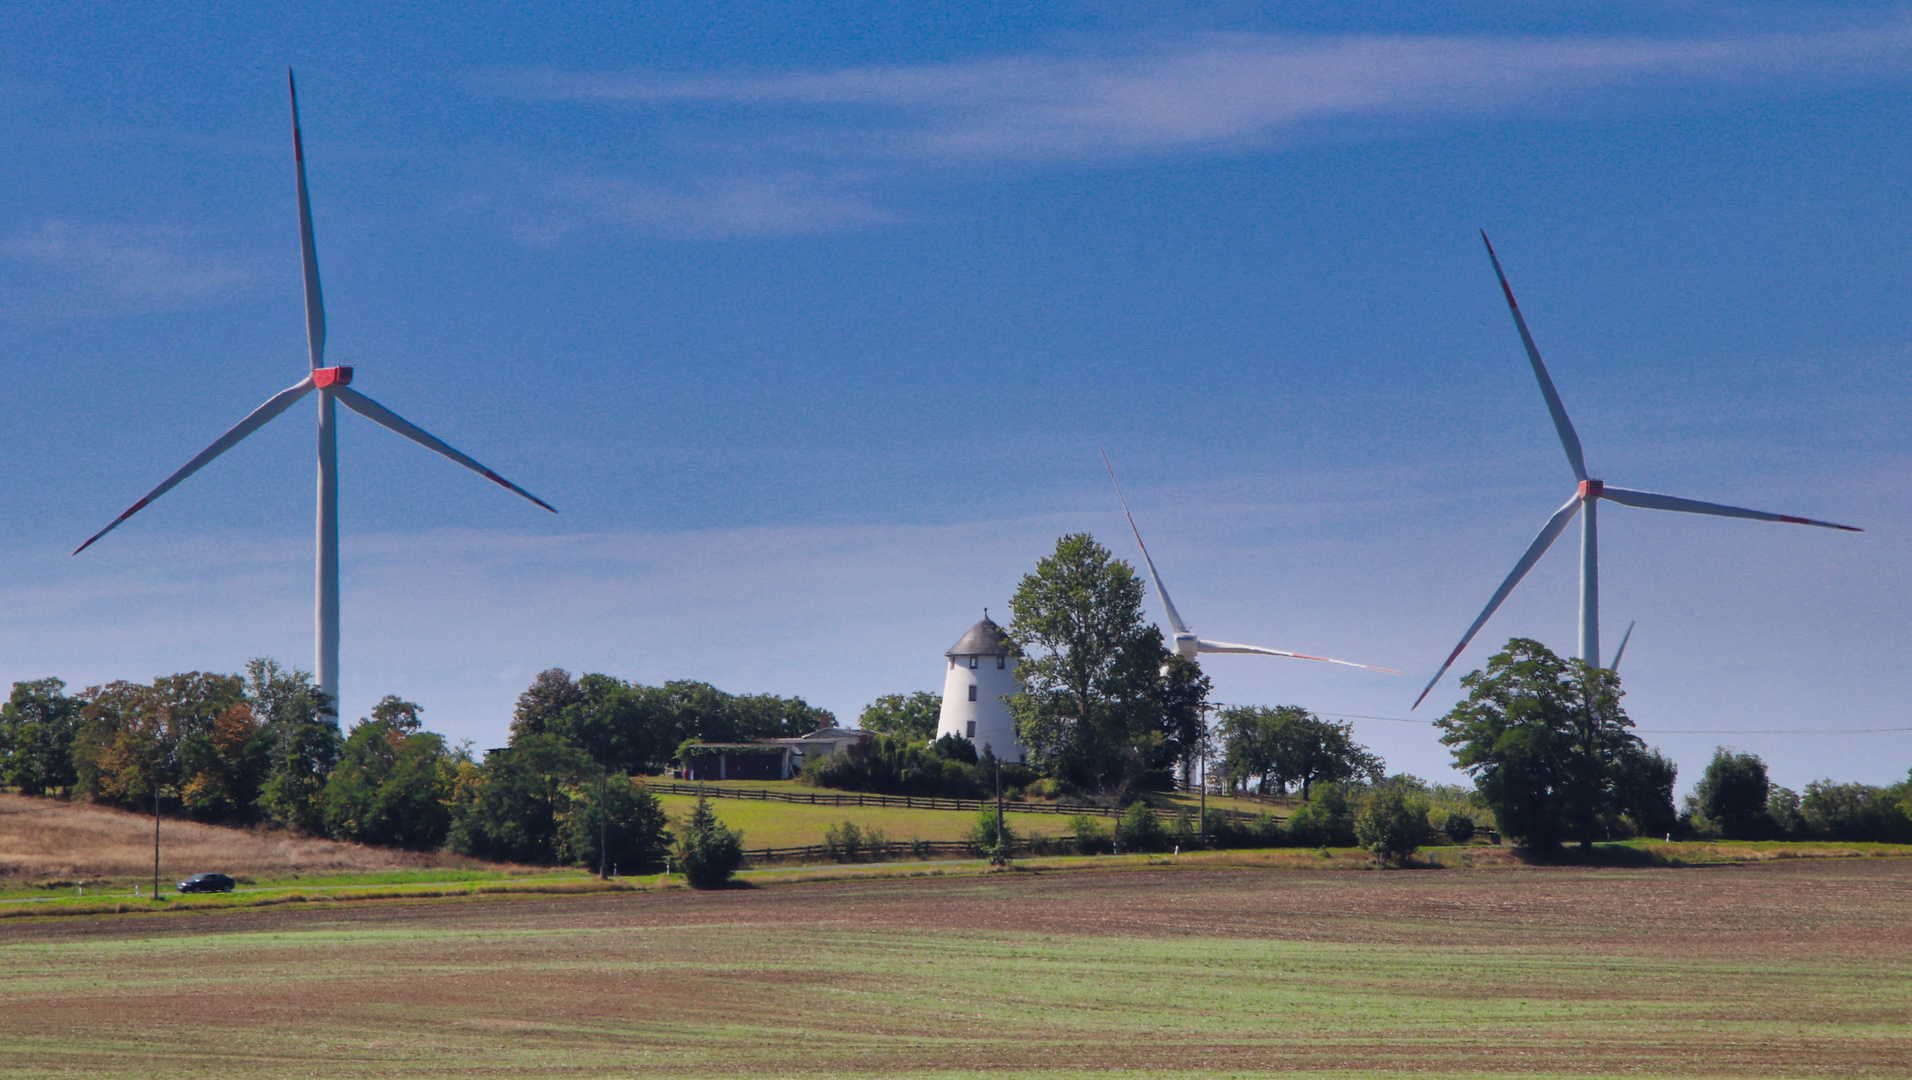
(1622, 650)
(1586, 498)
(333, 385)
(1187, 645)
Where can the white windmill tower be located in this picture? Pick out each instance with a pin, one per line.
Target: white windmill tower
(981, 671)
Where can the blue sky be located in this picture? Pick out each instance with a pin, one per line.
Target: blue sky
(810, 321)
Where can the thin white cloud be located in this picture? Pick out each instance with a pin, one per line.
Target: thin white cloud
(542, 206)
(93, 269)
(1229, 89)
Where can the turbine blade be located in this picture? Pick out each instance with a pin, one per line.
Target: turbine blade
(379, 414)
(1174, 617)
(274, 405)
(314, 303)
(1647, 500)
(1555, 525)
(1205, 645)
(1622, 650)
(1569, 439)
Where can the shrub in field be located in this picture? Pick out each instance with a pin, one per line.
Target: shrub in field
(1392, 824)
(1183, 834)
(849, 843)
(1325, 820)
(1138, 829)
(983, 833)
(708, 851)
(1091, 835)
(1458, 827)
(634, 828)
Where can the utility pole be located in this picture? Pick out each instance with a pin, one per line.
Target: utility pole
(155, 841)
(1204, 818)
(999, 840)
(603, 826)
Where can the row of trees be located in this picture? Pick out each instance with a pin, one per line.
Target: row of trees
(632, 728)
(265, 748)
(258, 747)
(1736, 801)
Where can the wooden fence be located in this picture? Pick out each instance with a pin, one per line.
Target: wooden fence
(916, 802)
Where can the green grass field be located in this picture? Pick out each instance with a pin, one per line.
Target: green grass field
(1790, 968)
(773, 824)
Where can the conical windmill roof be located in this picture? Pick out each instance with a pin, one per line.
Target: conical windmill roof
(983, 639)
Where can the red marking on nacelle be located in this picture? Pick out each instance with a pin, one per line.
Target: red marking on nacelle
(331, 376)
(1591, 489)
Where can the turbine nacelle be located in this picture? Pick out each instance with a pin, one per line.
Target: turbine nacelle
(331, 376)
(1589, 489)
(1187, 645)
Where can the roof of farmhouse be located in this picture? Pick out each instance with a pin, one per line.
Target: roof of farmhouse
(983, 639)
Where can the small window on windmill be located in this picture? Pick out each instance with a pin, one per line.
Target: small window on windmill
(972, 695)
(973, 661)
(1000, 661)
(972, 729)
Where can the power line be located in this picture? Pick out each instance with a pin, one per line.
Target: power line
(1674, 731)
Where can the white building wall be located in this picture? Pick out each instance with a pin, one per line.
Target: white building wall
(989, 715)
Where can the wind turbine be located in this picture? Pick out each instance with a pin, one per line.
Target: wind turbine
(333, 385)
(1187, 645)
(1586, 498)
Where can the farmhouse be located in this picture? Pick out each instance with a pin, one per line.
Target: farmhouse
(767, 759)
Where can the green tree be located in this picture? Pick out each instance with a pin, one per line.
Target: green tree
(1732, 795)
(1546, 742)
(911, 717)
(1288, 746)
(1183, 700)
(630, 821)
(1393, 824)
(1643, 781)
(1326, 819)
(514, 808)
(393, 782)
(37, 727)
(301, 723)
(1089, 709)
(708, 851)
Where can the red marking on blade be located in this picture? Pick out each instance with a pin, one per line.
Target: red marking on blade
(1794, 520)
(331, 376)
(1323, 659)
(1591, 489)
(496, 479)
(298, 148)
(137, 507)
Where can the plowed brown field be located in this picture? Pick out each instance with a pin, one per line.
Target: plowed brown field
(1792, 968)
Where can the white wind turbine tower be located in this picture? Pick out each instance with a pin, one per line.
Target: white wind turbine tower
(1587, 499)
(333, 385)
(1186, 644)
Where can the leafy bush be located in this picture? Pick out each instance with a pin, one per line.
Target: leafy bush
(983, 833)
(1458, 827)
(1138, 829)
(1091, 835)
(849, 843)
(1392, 824)
(1325, 820)
(708, 851)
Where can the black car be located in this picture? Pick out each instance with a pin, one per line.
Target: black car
(207, 883)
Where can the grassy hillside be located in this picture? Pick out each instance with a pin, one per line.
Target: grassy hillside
(47, 839)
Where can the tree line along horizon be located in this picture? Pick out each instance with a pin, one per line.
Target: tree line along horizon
(1105, 711)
